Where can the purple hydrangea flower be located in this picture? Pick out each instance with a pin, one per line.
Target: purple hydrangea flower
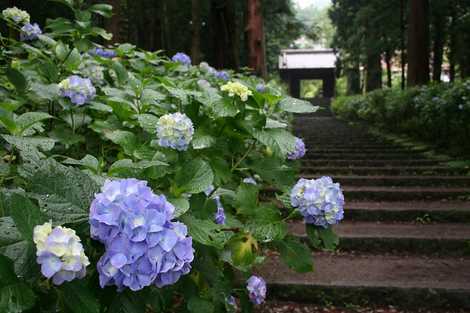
(256, 287)
(231, 301)
(104, 53)
(182, 58)
(320, 201)
(60, 253)
(219, 216)
(299, 151)
(175, 131)
(79, 90)
(30, 32)
(260, 88)
(223, 75)
(143, 246)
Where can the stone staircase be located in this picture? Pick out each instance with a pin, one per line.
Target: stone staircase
(405, 239)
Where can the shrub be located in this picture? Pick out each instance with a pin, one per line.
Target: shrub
(438, 114)
(140, 182)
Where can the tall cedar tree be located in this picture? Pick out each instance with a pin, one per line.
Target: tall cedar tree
(256, 38)
(418, 43)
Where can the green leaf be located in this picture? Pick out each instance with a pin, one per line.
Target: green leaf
(7, 272)
(17, 79)
(7, 119)
(127, 302)
(267, 232)
(198, 305)
(274, 171)
(121, 72)
(126, 166)
(27, 143)
(25, 214)
(127, 140)
(246, 199)
(9, 233)
(243, 250)
(87, 161)
(279, 140)
(181, 206)
(102, 9)
(194, 177)
(61, 51)
(148, 122)
(294, 105)
(202, 140)
(77, 296)
(73, 60)
(270, 123)
(98, 31)
(205, 232)
(27, 120)
(225, 107)
(16, 298)
(295, 254)
(64, 193)
(321, 237)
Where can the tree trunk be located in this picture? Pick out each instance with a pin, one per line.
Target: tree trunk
(452, 54)
(388, 62)
(418, 43)
(438, 46)
(402, 44)
(256, 38)
(353, 77)
(224, 34)
(196, 32)
(374, 72)
(113, 24)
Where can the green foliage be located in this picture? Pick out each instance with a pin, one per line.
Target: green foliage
(56, 155)
(438, 114)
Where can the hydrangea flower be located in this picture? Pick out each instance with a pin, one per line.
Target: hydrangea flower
(175, 131)
(237, 89)
(60, 253)
(250, 180)
(223, 75)
(256, 287)
(260, 88)
(320, 201)
(16, 15)
(299, 151)
(143, 246)
(182, 58)
(104, 53)
(30, 32)
(79, 90)
(219, 216)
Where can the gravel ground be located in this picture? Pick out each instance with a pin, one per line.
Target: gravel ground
(288, 307)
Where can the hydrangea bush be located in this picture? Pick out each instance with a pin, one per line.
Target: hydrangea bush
(135, 182)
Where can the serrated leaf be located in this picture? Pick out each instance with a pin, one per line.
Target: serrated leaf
(205, 232)
(87, 161)
(29, 119)
(198, 305)
(121, 72)
(181, 206)
(7, 120)
(17, 79)
(64, 193)
(243, 250)
(246, 199)
(26, 143)
(295, 254)
(267, 232)
(73, 60)
(148, 122)
(294, 105)
(78, 297)
(25, 214)
(127, 140)
(270, 123)
(61, 51)
(279, 140)
(194, 177)
(102, 9)
(7, 271)
(16, 298)
(321, 237)
(202, 140)
(127, 166)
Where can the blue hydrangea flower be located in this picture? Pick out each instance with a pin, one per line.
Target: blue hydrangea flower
(143, 246)
(256, 287)
(175, 131)
(79, 90)
(104, 53)
(219, 216)
(30, 32)
(16, 15)
(231, 301)
(250, 180)
(60, 253)
(320, 201)
(222, 75)
(182, 58)
(260, 88)
(299, 151)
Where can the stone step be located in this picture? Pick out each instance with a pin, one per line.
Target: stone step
(411, 211)
(351, 146)
(398, 150)
(397, 180)
(389, 170)
(378, 163)
(411, 238)
(405, 193)
(349, 279)
(364, 156)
